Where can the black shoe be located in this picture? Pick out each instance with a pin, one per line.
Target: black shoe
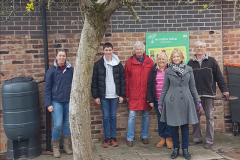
(208, 146)
(175, 153)
(186, 154)
(145, 140)
(198, 142)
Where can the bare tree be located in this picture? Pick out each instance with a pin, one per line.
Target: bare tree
(96, 19)
(96, 15)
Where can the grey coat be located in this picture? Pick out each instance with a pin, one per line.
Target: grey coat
(178, 98)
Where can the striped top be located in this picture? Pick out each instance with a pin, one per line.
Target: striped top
(159, 83)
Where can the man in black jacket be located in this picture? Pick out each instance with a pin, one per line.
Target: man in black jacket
(108, 88)
(207, 73)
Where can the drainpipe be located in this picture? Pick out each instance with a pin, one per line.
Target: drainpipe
(45, 50)
(45, 34)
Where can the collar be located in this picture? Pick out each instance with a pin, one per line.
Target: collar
(204, 57)
(67, 64)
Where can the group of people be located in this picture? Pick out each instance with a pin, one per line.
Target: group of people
(179, 93)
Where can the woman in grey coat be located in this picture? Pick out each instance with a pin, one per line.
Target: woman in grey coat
(178, 100)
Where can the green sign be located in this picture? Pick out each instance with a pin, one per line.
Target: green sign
(157, 42)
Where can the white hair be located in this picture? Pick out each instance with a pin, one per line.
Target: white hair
(200, 43)
(138, 44)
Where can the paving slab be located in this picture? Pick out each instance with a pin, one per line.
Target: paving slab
(227, 147)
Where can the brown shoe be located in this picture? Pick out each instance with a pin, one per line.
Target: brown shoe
(161, 143)
(67, 145)
(106, 143)
(145, 141)
(169, 142)
(114, 142)
(55, 146)
(129, 143)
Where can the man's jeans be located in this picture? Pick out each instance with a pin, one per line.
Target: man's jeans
(109, 111)
(164, 130)
(60, 120)
(208, 108)
(131, 125)
(185, 136)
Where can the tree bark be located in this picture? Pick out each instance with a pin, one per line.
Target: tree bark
(80, 120)
(96, 21)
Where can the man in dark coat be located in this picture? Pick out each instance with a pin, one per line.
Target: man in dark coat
(207, 73)
(108, 88)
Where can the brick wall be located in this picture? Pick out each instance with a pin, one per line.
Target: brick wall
(21, 51)
(167, 15)
(62, 18)
(164, 15)
(228, 15)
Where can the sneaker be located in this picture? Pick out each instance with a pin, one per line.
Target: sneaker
(145, 141)
(114, 142)
(129, 143)
(208, 146)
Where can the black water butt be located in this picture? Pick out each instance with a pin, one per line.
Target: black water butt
(21, 117)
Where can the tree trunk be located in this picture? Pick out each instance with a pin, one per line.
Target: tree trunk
(80, 120)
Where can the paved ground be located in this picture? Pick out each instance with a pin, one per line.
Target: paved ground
(227, 147)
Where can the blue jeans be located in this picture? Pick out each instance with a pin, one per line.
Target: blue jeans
(109, 111)
(185, 136)
(60, 120)
(164, 130)
(131, 125)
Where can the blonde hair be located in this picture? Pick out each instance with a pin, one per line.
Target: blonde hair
(162, 53)
(177, 51)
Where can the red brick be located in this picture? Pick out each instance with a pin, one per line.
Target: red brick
(123, 43)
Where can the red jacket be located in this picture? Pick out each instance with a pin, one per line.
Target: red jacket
(136, 75)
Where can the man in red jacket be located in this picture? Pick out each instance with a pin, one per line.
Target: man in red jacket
(137, 69)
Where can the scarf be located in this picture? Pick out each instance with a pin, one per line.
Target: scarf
(179, 69)
(140, 59)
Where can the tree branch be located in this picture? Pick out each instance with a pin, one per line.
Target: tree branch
(112, 6)
(141, 4)
(85, 4)
(7, 9)
(101, 2)
(234, 10)
(130, 4)
(133, 12)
